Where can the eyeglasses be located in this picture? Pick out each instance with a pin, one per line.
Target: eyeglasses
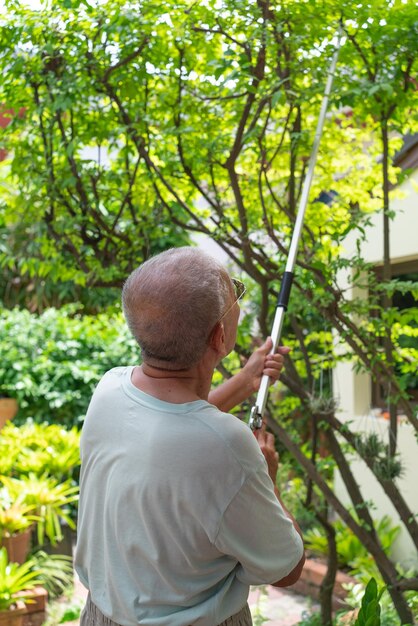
(239, 289)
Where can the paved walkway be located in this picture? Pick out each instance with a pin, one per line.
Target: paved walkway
(279, 607)
(270, 606)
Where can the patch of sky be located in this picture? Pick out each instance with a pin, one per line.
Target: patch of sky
(165, 19)
(150, 68)
(209, 79)
(318, 48)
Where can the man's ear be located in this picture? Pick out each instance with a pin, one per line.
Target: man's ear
(217, 338)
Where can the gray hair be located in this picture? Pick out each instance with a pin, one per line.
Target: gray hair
(171, 304)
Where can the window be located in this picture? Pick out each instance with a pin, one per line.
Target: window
(407, 301)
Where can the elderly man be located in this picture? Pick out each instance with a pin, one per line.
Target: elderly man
(179, 513)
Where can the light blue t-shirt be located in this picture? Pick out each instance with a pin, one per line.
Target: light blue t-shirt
(177, 513)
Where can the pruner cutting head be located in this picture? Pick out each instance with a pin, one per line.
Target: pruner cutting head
(256, 419)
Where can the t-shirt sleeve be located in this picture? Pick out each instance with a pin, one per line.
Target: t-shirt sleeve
(257, 532)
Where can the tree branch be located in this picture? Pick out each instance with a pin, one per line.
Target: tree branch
(125, 61)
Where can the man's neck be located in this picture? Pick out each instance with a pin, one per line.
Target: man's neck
(177, 387)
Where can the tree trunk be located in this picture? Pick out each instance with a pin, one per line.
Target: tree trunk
(328, 583)
(386, 567)
(388, 486)
(387, 275)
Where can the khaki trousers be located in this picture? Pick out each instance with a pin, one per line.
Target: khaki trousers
(91, 616)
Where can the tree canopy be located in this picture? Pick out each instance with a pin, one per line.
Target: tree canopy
(137, 121)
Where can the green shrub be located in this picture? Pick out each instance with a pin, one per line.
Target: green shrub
(310, 619)
(16, 581)
(351, 552)
(369, 614)
(52, 362)
(39, 448)
(39, 466)
(50, 499)
(55, 572)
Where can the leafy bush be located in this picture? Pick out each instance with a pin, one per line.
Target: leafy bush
(351, 552)
(50, 500)
(310, 619)
(388, 615)
(55, 572)
(39, 471)
(16, 516)
(52, 362)
(16, 581)
(39, 448)
(370, 611)
(67, 608)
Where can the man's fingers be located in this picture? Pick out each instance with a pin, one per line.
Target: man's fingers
(274, 363)
(266, 346)
(272, 373)
(265, 439)
(274, 358)
(260, 433)
(270, 440)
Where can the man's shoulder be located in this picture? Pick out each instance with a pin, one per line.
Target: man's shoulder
(234, 435)
(115, 375)
(118, 372)
(109, 386)
(226, 424)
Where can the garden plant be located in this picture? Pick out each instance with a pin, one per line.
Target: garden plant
(38, 493)
(16, 581)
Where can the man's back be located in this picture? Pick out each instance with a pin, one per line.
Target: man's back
(177, 515)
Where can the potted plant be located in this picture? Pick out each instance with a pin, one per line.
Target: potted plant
(16, 583)
(50, 501)
(8, 402)
(55, 571)
(8, 407)
(16, 521)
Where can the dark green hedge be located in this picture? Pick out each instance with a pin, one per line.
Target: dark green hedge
(52, 362)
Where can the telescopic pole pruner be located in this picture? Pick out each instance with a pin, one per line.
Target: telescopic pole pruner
(257, 412)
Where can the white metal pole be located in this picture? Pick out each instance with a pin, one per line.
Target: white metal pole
(257, 412)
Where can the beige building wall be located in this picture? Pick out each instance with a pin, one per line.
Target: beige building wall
(403, 228)
(354, 390)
